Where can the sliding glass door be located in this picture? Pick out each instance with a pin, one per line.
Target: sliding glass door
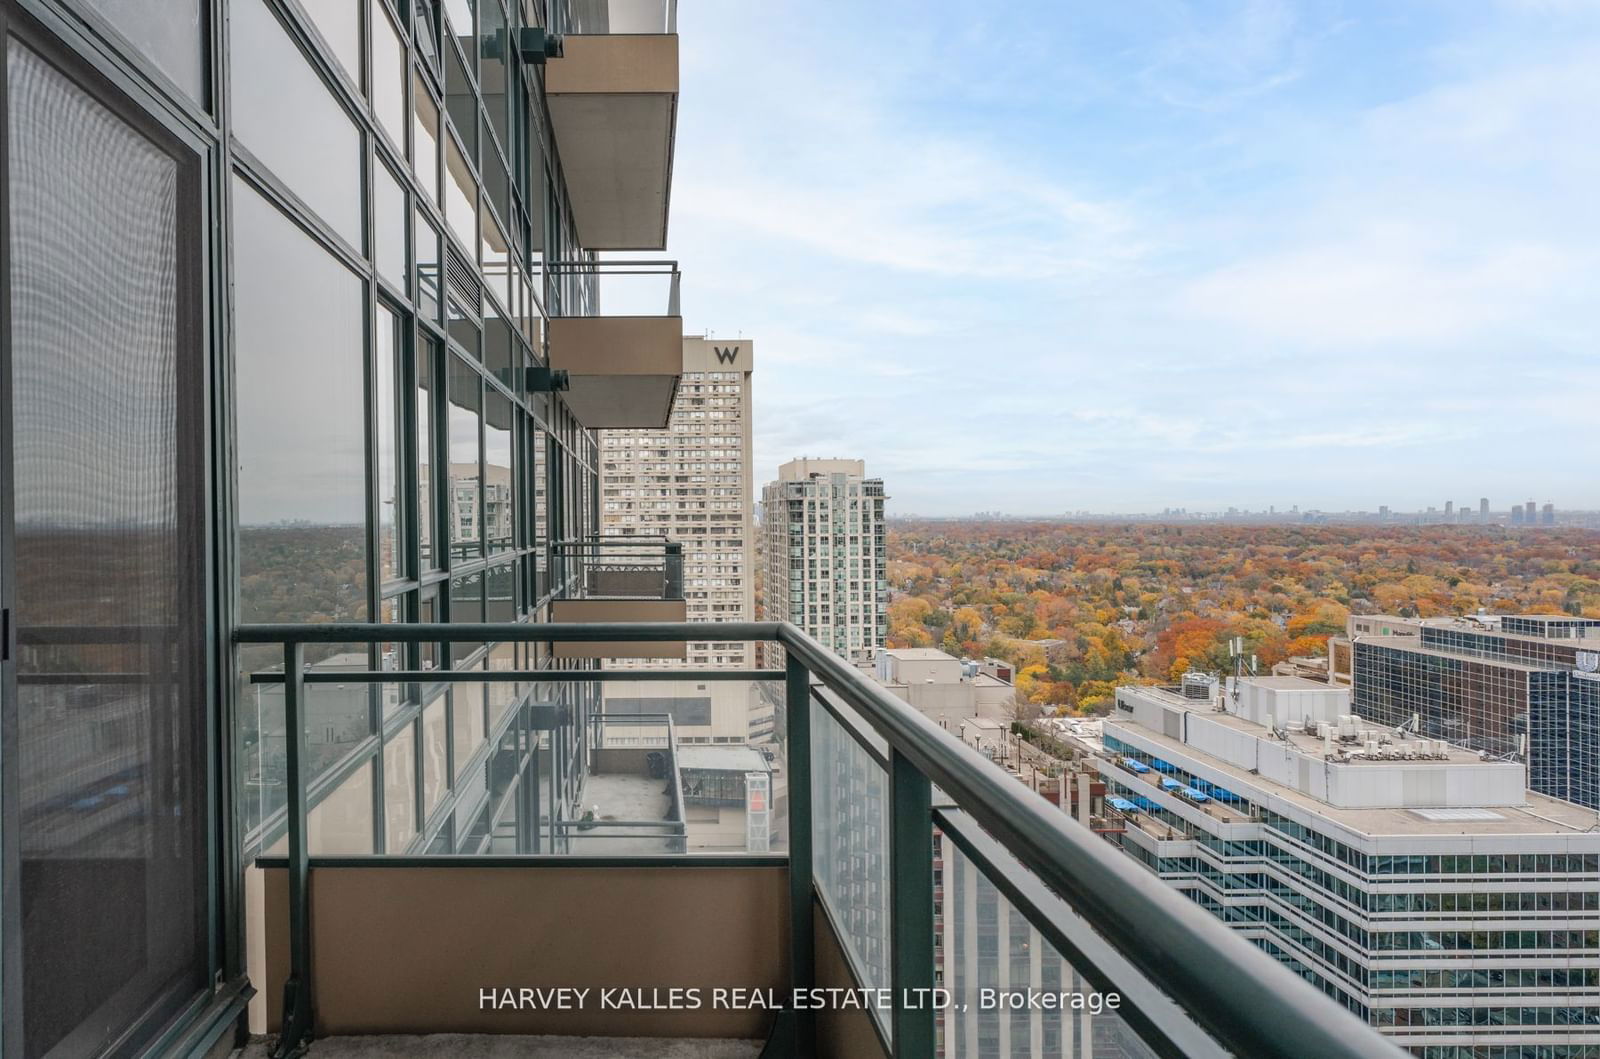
(106, 790)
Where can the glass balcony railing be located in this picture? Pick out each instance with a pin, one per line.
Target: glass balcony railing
(621, 567)
(608, 287)
(876, 854)
(595, 17)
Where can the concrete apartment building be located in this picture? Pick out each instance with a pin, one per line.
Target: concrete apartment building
(1418, 884)
(826, 558)
(1517, 687)
(691, 482)
(942, 687)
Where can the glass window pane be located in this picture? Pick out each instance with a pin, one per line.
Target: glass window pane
(499, 352)
(498, 500)
(426, 479)
(461, 210)
(301, 444)
(435, 755)
(467, 722)
(388, 76)
(492, 71)
(461, 199)
(388, 226)
(424, 138)
(463, 328)
(496, 254)
(427, 267)
(466, 524)
(459, 14)
(466, 605)
(391, 557)
(285, 115)
(169, 32)
(342, 822)
(339, 22)
(400, 790)
(459, 101)
(110, 775)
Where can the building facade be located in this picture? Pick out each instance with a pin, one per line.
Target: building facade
(693, 482)
(1419, 885)
(826, 554)
(301, 308)
(1518, 687)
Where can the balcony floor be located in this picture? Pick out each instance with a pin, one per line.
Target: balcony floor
(622, 796)
(496, 1046)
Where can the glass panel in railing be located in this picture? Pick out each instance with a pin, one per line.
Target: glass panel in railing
(699, 753)
(1011, 993)
(337, 718)
(850, 850)
(596, 17)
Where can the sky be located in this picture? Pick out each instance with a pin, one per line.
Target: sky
(1060, 256)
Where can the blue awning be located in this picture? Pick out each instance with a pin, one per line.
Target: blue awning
(1123, 804)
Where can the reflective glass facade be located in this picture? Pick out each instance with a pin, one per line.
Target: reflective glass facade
(276, 274)
(1506, 695)
(1462, 951)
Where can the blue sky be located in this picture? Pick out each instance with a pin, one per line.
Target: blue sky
(1043, 257)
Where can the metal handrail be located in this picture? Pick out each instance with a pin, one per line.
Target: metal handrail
(1236, 993)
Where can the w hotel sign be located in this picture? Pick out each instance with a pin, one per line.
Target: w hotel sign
(717, 354)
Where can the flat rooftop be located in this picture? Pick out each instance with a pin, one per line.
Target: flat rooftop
(1289, 683)
(920, 654)
(724, 758)
(1540, 815)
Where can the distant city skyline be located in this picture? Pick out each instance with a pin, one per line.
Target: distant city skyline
(1137, 257)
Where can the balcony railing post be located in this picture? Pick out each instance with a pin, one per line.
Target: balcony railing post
(802, 942)
(911, 907)
(297, 1017)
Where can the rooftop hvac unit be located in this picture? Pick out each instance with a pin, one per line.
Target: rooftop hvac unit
(1372, 748)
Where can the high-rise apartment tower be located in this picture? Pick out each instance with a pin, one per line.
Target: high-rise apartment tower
(692, 482)
(826, 562)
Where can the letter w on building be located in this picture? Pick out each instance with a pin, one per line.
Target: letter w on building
(725, 354)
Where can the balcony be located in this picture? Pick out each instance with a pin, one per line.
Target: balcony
(613, 98)
(623, 368)
(863, 794)
(617, 579)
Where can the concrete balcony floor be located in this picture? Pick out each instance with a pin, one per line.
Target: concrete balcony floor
(497, 1046)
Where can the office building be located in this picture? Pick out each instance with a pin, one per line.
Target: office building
(306, 343)
(826, 557)
(1515, 687)
(1483, 510)
(1417, 884)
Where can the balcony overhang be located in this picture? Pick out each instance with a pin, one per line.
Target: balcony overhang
(603, 610)
(613, 102)
(622, 371)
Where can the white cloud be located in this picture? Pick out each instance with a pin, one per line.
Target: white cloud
(1249, 250)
